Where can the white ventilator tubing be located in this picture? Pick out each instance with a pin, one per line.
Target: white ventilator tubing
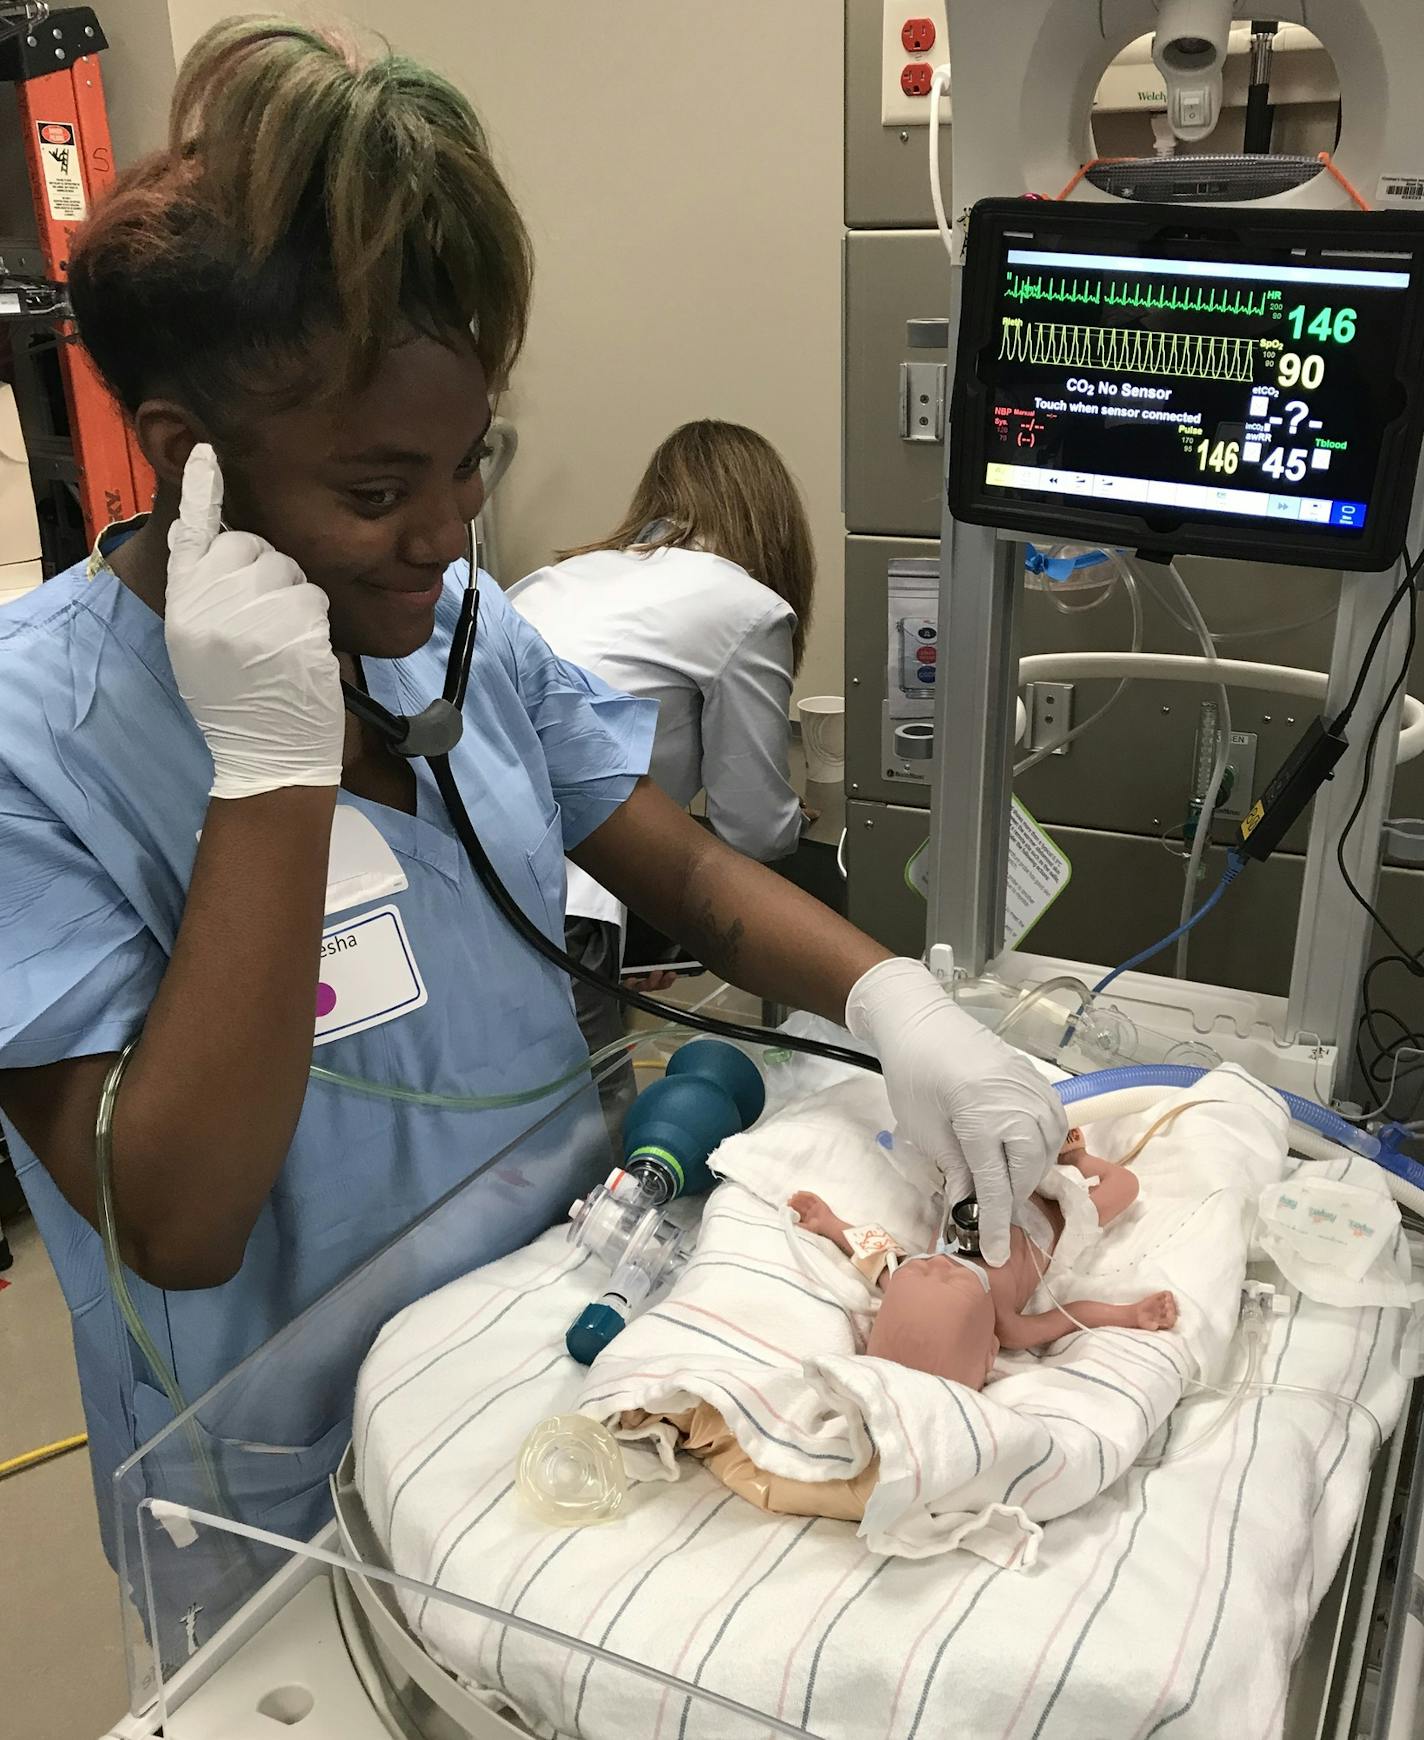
(1193, 668)
(939, 84)
(1120, 571)
(1202, 832)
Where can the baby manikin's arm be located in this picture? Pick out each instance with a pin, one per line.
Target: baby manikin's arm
(870, 1248)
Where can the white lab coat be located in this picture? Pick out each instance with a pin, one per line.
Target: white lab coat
(712, 646)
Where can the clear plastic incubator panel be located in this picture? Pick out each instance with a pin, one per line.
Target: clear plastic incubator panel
(257, 1593)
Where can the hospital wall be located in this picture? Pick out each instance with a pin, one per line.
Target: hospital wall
(680, 168)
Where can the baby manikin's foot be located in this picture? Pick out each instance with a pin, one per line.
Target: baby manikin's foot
(1157, 1311)
(815, 1215)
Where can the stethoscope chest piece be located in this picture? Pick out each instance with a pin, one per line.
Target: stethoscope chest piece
(964, 1220)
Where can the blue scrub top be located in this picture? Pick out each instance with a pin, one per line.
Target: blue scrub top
(103, 787)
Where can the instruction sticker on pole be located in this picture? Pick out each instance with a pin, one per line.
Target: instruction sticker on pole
(63, 174)
(1038, 873)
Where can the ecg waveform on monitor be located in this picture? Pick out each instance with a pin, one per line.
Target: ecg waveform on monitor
(1187, 355)
(1111, 293)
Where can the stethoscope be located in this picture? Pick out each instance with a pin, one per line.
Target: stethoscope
(432, 734)
(436, 729)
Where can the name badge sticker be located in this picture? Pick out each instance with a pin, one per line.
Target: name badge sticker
(368, 975)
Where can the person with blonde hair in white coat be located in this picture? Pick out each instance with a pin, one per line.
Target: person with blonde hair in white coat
(700, 598)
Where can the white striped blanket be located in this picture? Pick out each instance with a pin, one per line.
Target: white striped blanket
(1172, 1604)
(766, 1325)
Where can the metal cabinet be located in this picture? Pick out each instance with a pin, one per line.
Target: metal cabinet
(892, 484)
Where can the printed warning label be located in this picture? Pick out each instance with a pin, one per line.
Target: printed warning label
(1038, 872)
(63, 174)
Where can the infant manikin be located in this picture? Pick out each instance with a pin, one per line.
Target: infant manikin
(948, 1313)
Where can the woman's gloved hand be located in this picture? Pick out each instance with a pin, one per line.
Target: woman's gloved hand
(979, 1110)
(248, 639)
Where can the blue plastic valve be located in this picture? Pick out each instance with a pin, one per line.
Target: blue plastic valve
(592, 1330)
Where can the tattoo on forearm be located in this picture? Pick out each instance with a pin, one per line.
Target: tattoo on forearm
(716, 942)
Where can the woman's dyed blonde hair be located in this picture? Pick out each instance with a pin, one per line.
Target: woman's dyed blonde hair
(724, 488)
(306, 192)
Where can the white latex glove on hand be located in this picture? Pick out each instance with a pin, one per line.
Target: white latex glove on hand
(250, 647)
(976, 1108)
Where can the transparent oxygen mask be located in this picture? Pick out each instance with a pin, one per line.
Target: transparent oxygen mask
(570, 1472)
(1060, 1020)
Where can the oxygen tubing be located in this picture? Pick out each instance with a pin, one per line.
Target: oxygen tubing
(487, 1102)
(627, 1045)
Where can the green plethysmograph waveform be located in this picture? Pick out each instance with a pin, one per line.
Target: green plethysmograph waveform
(1111, 293)
(1187, 355)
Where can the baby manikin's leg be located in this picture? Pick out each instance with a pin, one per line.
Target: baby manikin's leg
(1015, 1330)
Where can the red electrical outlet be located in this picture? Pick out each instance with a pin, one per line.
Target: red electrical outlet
(918, 35)
(916, 78)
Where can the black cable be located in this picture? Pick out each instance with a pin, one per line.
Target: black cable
(1384, 1071)
(1387, 1048)
(1411, 955)
(1411, 570)
(525, 927)
(1386, 1065)
(1377, 965)
(1372, 1010)
(1372, 1073)
(1387, 1082)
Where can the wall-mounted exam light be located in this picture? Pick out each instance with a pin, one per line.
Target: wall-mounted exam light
(1189, 49)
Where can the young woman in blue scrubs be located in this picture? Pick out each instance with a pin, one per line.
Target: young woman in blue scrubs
(321, 282)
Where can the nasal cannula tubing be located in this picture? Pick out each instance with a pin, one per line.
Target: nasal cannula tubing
(521, 1096)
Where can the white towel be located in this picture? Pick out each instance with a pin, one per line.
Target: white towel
(771, 1337)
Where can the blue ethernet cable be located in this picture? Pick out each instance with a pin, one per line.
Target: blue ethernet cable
(1235, 864)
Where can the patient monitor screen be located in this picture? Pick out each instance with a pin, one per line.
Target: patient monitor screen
(1216, 395)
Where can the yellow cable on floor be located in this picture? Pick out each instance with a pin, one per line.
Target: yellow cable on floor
(32, 1458)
